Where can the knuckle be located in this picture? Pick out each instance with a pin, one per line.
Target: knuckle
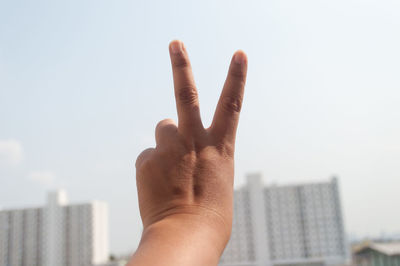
(146, 166)
(181, 62)
(237, 74)
(143, 158)
(188, 95)
(139, 161)
(162, 124)
(164, 152)
(165, 132)
(232, 104)
(226, 150)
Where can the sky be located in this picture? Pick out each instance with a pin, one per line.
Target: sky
(83, 84)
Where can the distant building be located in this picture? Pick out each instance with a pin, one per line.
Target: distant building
(292, 225)
(55, 235)
(377, 254)
(21, 237)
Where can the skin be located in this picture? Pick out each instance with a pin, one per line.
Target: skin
(185, 183)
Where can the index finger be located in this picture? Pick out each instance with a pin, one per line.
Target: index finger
(187, 102)
(226, 117)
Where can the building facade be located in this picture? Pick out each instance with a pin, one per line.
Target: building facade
(21, 237)
(58, 234)
(377, 254)
(287, 226)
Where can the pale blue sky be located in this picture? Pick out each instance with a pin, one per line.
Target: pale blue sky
(83, 84)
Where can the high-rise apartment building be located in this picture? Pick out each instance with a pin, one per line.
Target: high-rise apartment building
(58, 234)
(292, 225)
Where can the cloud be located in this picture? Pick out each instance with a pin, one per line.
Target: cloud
(11, 152)
(44, 178)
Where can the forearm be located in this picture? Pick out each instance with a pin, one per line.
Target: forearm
(176, 241)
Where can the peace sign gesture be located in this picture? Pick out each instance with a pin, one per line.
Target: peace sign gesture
(185, 183)
(227, 114)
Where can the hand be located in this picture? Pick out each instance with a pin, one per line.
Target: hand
(185, 183)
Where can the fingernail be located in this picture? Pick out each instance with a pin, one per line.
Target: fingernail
(176, 47)
(240, 58)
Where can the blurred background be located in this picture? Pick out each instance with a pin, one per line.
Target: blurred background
(83, 84)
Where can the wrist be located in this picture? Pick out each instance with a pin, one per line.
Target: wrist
(191, 241)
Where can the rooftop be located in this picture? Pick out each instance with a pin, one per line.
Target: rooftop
(387, 248)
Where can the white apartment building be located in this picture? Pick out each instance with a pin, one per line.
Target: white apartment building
(292, 225)
(58, 234)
